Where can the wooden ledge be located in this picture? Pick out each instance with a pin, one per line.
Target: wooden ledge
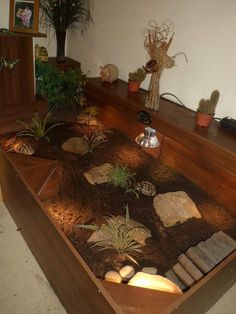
(172, 120)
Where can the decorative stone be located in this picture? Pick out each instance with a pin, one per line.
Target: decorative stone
(155, 282)
(127, 272)
(75, 145)
(195, 273)
(183, 274)
(99, 174)
(170, 274)
(175, 207)
(149, 270)
(200, 259)
(113, 276)
(139, 235)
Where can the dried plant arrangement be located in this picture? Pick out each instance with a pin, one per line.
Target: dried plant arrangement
(157, 42)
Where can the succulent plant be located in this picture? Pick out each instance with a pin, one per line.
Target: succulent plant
(121, 237)
(38, 127)
(137, 76)
(208, 106)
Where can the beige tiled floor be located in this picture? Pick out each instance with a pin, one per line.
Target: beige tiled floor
(25, 290)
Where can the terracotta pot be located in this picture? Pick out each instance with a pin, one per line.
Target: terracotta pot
(203, 119)
(133, 86)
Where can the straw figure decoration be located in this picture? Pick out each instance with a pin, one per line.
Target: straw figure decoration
(157, 42)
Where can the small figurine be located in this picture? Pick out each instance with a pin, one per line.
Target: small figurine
(41, 53)
(109, 73)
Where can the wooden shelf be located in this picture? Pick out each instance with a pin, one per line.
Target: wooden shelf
(172, 120)
(63, 66)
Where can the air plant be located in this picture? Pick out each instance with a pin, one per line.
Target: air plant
(37, 127)
(120, 237)
(121, 176)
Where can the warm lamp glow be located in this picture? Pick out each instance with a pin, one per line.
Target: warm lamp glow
(155, 282)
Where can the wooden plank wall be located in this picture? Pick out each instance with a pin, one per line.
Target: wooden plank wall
(70, 277)
(17, 85)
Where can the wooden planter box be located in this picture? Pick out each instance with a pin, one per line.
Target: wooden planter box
(202, 156)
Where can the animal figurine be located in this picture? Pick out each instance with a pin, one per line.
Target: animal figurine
(8, 63)
(146, 188)
(109, 73)
(41, 53)
(22, 148)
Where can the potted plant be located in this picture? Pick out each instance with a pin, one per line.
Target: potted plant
(206, 109)
(135, 79)
(62, 15)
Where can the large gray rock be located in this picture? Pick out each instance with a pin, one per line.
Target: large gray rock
(175, 207)
(99, 174)
(139, 235)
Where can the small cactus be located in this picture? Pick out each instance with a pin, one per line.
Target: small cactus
(137, 76)
(208, 106)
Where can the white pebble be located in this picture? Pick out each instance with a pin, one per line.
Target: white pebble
(149, 270)
(113, 276)
(127, 272)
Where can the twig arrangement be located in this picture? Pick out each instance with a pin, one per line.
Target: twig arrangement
(157, 42)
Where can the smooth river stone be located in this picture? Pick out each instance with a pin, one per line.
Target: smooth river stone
(127, 272)
(113, 276)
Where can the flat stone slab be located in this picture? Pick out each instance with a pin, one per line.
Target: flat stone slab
(175, 207)
(139, 235)
(99, 174)
(75, 145)
(155, 282)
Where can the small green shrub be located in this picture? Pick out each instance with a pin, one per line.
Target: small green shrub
(61, 88)
(120, 237)
(122, 177)
(37, 127)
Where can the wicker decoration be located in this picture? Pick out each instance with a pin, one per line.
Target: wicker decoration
(157, 42)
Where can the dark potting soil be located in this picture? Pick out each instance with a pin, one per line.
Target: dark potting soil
(79, 202)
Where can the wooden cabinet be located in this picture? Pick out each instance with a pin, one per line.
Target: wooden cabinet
(17, 94)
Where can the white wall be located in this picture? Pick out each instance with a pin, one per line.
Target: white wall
(204, 30)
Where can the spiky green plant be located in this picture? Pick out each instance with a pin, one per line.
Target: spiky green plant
(120, 237)
(37, 127)
(137, 76)
(93, 140)
(208, 106)
(122, 177)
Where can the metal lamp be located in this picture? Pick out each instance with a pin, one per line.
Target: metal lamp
(148, 138)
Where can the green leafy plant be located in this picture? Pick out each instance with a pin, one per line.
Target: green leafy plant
(37, 127)
(61, 88)
(93, 140)
(120, 237)
(121, 176)
(62, 16)
(137, 76)
(208, 106)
